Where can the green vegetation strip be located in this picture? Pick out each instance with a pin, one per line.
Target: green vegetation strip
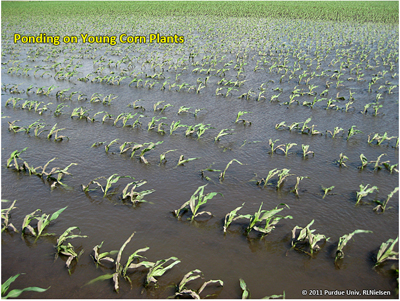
(348, 11)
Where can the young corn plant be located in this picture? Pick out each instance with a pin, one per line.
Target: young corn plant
(183, 291)
(135, 197)
(5, 216)
(222, 133)
(231, 216)
(382, 205)
(270, 218)
(182, 160)
(162, 156)
(342, 160)
(306, 238)
(288, 146)
(306, 152)
(157, 270)
(295, 190)
(196, 200)
(222, 175)
(109, 181)
(99, 257)
(352, 131)
(120, 269)
(150, 146)
(364, 161)
(14, 158)
(343, 240)
(174, 126)
(271, 174)
(364, 191)
(283, 174)
(43, 222)
(15, 293)
(326, 190)
(240, 114)
(386, 252)
(68, 249)
(336, 131)
(246, 292)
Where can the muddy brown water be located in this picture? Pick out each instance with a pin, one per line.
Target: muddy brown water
(267, 265)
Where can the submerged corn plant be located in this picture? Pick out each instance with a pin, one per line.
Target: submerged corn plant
(196, 200)
(364, 191)
(240, 114)
(352, 131)
(326, 190)
(42, 222)
(109, 181)
(231, 216)
(222, 133)
(5, 216)
(342, 160)
(68, 249)
(288, 146)
(182, 160)
(382, 205)
(283, 174)
(162, 156)
(306, 152)
(386, 252)
(183, 291)
(343, 240)
(135, 196)
(306, 237)
(121, 270)
(14, 158)
(246, 293)
(16, 292)
(157, 269)
(222, 175)
(295, 190)
(270, 218)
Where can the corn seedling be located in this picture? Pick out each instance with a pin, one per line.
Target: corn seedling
(59, 108)
(222, 133)
(196, 200)
(231, 216)
(389, 167)
(306, 237)
(99, 257)
(378, 162)
(272, 145)
(183, 291)
(246, 292)
(336, 131)
(306, 152)
(386, 252)
(279, 125)
(5, 216)
(271, 174)
(14, 157)
(16, 292)
(240, 114)
(270, 218)
(157, 269)
(342, 160)
(175, 125)
(343, 240)
(295, 190)
(80, 112)
(352, 131)
(136, 196)
(107, 147)
(288, 146)
(120, 269)
(382, 205)
(68, 249)
(364, 161)
(222, 175)
(148, 148)
(151, 125)
(326, 190)
(364, 191)
(162, 156)
(54, 131)
(109, 181)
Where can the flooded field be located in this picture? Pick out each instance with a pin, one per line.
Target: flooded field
(304, 110)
